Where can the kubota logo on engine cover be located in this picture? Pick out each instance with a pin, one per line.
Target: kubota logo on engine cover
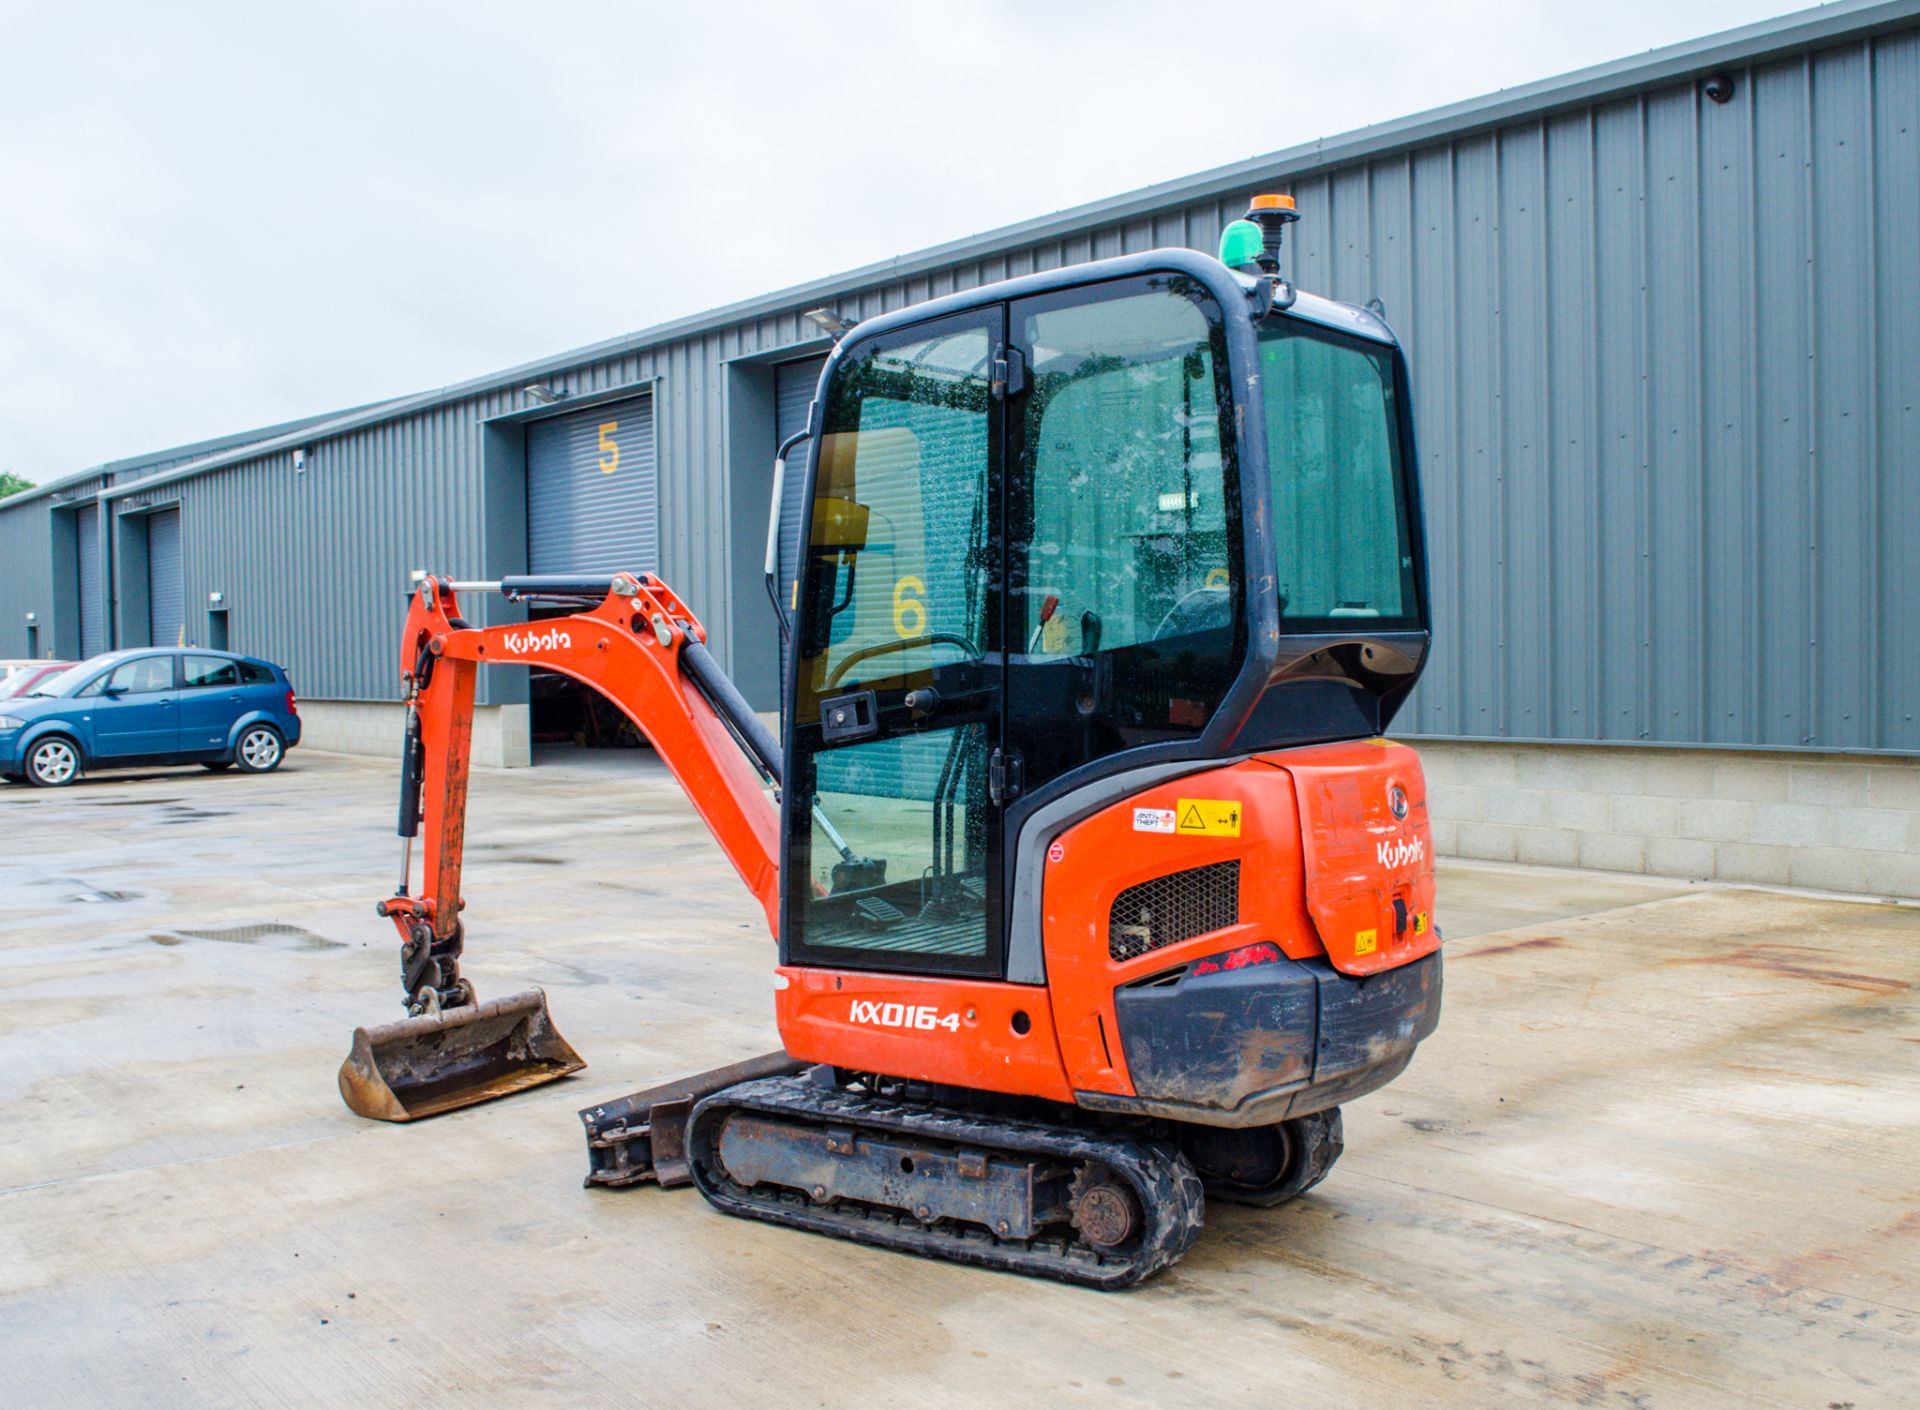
(551, 640)
(902, 1015)
(1398, 854)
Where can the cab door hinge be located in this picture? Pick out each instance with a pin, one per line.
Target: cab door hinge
(1009, 373)
(1006, 776)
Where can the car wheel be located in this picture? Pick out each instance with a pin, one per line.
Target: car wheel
(54, 762)
(218, 766)
(259, 749)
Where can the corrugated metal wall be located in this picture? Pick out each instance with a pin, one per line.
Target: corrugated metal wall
(1667, 364)
(26, 579)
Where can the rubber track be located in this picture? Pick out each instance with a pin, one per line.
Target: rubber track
(1170, 1194)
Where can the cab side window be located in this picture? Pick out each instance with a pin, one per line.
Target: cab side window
(1128, 527)
(1123, 521)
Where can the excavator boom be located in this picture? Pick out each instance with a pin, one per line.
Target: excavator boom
(636, 643)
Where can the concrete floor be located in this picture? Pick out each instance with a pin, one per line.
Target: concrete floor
(1664, 1151)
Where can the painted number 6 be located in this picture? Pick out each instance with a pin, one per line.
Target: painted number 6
(909, 612)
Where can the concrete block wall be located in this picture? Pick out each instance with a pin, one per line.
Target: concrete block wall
(1826, 822)
(502, 734)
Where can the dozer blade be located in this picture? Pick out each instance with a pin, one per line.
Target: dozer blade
(644, 1136)
(440, 1062)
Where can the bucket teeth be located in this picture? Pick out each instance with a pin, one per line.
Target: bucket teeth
(441, 1062)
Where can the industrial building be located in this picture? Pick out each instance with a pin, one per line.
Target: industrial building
(1664, 322)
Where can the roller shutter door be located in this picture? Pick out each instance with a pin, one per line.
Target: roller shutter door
(793, 387)
(166, 599)
(593, 491)
(93, 614)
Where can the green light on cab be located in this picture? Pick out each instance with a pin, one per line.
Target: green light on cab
(1240, 243)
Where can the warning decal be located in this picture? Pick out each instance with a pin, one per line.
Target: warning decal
(1208, 817)
(1153, 820)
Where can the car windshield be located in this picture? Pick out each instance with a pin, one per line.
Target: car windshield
(65, 682)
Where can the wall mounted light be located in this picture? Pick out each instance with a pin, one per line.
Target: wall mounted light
(544, 393)
(33, 616)
(829, 322)
(216, 598)
(300, 460)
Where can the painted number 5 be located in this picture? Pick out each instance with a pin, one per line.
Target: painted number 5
(610, 448)
(909, 612)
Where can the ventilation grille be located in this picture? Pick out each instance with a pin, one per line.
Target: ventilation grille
(1173, 908)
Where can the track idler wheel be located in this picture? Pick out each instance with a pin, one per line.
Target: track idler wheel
(1265, 1165)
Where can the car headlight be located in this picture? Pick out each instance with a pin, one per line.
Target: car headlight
(11, 722)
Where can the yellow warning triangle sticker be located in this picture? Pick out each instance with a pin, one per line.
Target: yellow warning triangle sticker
(1209, 817)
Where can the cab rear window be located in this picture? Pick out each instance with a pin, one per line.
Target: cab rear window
(1342, 521)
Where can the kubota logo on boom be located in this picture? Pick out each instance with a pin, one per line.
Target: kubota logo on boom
(552, 639)
(1399, 854)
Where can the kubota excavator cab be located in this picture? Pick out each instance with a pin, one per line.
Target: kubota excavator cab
(1113, 581)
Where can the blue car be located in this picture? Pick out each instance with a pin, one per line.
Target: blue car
(150, 707)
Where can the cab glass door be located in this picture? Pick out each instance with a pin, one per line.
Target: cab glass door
(897, 684)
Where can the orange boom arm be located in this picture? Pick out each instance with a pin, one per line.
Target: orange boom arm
(642, 649)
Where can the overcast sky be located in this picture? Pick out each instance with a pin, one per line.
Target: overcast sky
(214, 217)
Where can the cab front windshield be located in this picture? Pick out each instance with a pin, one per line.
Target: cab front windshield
(1343, 539)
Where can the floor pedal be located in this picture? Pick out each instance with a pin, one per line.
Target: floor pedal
(877, 914)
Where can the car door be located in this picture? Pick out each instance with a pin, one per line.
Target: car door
(137, 713)
(211, 700)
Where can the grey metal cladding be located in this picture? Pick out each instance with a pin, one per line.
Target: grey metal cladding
(166, 600)
(593, 491)
(1664, 353)
(26, 581)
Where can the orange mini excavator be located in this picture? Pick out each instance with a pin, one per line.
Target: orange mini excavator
(1096, 888)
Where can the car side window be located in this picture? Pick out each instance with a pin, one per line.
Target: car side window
(255, 674)
(148, 675)
(94, 686)
(204, 672)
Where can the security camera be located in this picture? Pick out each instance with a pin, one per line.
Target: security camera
(1719, 88)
